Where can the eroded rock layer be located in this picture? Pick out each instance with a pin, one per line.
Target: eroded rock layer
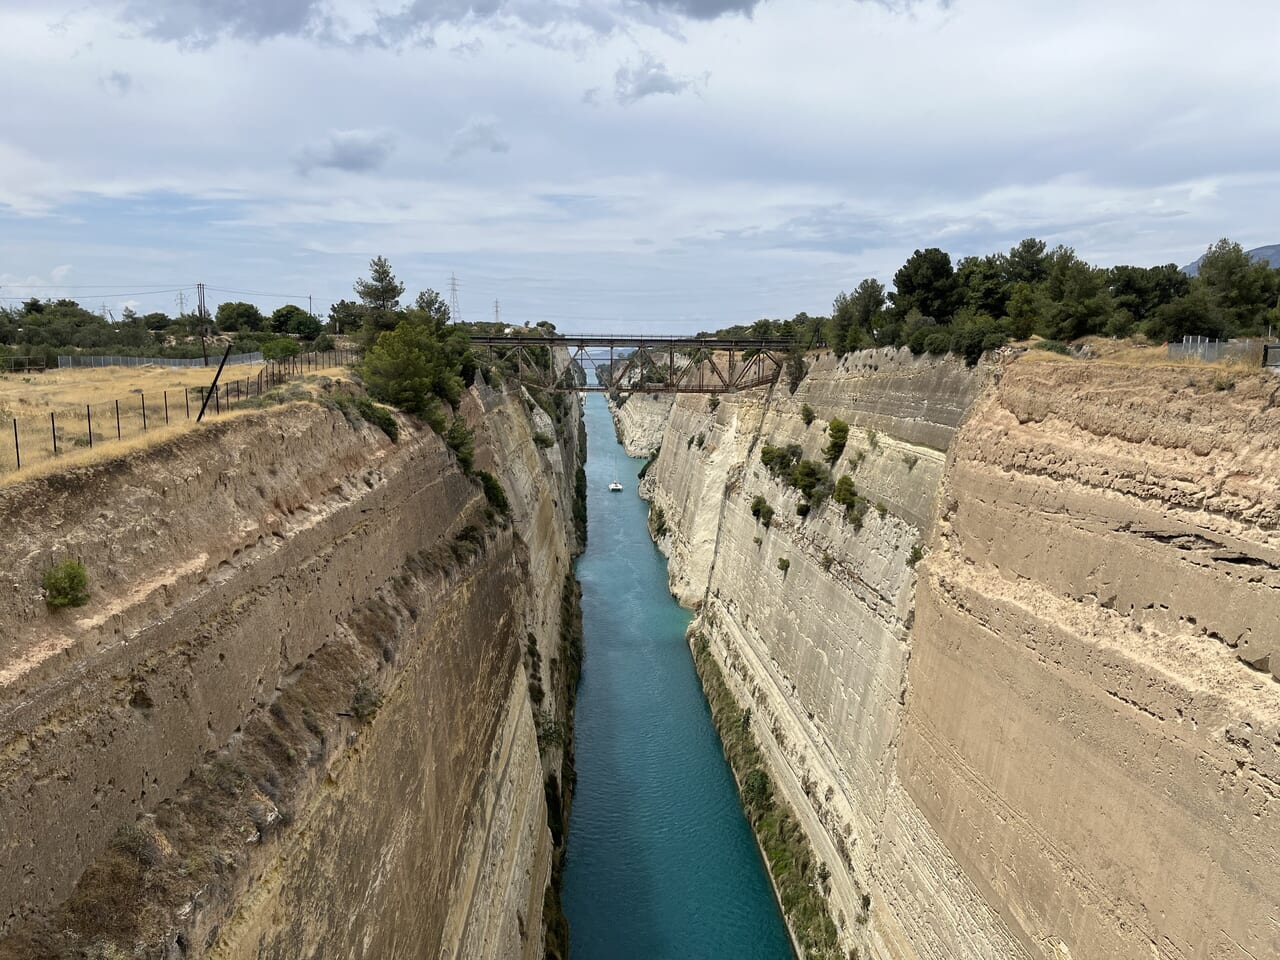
(300, 710)
(1056, 734)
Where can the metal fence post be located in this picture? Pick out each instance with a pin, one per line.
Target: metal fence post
(144, 411)
(166, 408)
(88, 415)
(186, 396)
(17, 450)
(53, 427)
(117, 419)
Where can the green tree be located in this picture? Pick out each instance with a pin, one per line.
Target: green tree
(837, 437)
(984, 284)
(284, 318)
(237, 315)
(1242, 291)
(345, 317)
(432, 304)
(927, 282)
(415, 367)
(305, 326)
(1027, 262)
(380, 295)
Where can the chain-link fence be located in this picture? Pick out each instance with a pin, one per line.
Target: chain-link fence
(32, 440)
(1212, 351)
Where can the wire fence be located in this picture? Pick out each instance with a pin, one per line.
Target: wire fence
(1211, 351)
(34, 440)
(110, 361)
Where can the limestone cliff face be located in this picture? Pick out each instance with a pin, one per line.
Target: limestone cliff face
(1056, 735)
(296, 713)
(641, 426)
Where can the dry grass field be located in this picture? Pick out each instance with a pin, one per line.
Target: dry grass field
(153, 403)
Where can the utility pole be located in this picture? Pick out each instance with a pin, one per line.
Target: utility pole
(495, 312)
(455, 311)
(309, 310)
(200, 319)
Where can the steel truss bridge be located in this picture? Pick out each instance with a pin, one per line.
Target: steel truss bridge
(642, 364)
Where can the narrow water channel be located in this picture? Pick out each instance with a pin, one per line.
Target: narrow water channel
(661, 863)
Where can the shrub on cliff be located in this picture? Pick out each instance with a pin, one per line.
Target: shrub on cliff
(380, 417)
(761, 510)
(66, 585)
(779, 460)
(418, 366)
(838, 436)
(807, 414)
(461, 440)
(493, 492)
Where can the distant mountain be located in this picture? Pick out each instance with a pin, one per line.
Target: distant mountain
(1269, 253)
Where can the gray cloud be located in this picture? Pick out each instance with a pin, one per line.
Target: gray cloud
(355, 151)
(117, 81)
(478, 133)
(647, 78)
(202, 22)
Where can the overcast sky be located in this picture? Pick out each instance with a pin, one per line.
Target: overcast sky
(671, 163)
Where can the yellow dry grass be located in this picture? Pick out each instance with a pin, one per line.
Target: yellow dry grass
(1130, 353)
(81, 398)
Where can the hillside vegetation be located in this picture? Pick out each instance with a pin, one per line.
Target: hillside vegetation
(981, 303)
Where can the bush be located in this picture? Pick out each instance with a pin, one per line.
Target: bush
(365, 703)
(1053, 346)
(543, 441)
(838, 436)
(659, 523)
(917, 554)
(380, 417)
(806, 414)
(461, 440)
(323, 344)
(779, 460)
(493, 491)
(784, 564)
(761, 510)
(66, 585)
(713, 403)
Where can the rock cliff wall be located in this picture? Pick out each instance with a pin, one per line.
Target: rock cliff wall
(299, 711)
(1056, 735)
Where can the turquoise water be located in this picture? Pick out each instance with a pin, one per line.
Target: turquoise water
(661, 862)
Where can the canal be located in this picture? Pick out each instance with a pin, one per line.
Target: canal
(660, 861)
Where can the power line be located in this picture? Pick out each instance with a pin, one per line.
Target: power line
(137, 293)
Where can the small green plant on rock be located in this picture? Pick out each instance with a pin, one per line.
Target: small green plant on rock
(806, 414)
(761, 510)
(66, 585)
(837, 437)
(380, 417)
(365, 703)
(917, 554)
(784, 564)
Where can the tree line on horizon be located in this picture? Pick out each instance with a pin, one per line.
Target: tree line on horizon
(982, 303)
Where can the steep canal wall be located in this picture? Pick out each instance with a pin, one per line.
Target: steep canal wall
(1020, 694)
(309, 708)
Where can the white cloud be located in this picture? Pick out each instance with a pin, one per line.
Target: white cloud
(646, 78)
(477, 134)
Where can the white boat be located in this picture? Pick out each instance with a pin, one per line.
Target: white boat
(616, 486)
